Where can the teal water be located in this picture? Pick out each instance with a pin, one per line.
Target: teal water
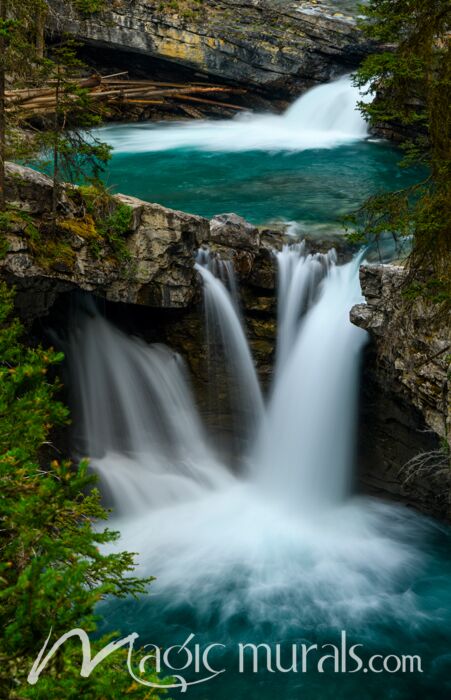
(317, 187)
(411, 617)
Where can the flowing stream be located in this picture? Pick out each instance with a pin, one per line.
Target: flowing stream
(276, 549)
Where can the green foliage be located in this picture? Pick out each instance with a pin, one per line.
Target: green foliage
(66, 133)
(13, 219)
(89, 7)
(18, 26)
(75, 152)
(27, 408)
(48, 247)
(188, 9)
(52, 572)
(411, 81)
(112, 218)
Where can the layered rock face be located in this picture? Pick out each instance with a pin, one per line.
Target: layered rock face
(279, 47)
(406, 394)
(161, 245)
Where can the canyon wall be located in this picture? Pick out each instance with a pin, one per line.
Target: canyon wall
(406, 401)
(278, 47)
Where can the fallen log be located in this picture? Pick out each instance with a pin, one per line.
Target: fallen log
(210, 102)
(114, 90)
(192, 112)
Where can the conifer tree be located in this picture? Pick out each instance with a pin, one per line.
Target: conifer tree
(18, 67)
(74, 151)
(410, 78)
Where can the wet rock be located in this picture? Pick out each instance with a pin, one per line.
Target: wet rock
(406, 406)
(233, 231)
(32, 191)
(158, 270)
(161, 245)
(408, 342)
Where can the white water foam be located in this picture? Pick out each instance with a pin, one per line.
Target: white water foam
(281, 542)
(325, 117)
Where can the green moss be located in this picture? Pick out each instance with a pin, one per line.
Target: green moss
(89, 7)
(13, 220)
(103, 222)
(4, 247)
(49, 249)
(85, 227)
(56, 255)
(188, 9)
(112, 220)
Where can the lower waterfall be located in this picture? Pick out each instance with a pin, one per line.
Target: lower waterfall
(283, 541)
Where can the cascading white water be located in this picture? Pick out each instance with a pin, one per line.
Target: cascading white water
(223, 319)
(324, 117)
(137, 406)
(330, 109)
(138, 419)
(299, 278)
(306, 446)
(280, 541)
(223, 269)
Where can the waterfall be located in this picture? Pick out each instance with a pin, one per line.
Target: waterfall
(141, 425)
(299, 278)
(224, 329)
(139, 422)
(305, 450)
(281, 541)
(330, 109)
(326, 116)
(223, 269)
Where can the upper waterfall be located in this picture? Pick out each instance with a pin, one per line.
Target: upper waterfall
(330, 109)
(326, 116)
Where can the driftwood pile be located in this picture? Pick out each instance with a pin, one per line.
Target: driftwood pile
(118, 91)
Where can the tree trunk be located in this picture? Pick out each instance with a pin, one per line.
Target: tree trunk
(40, 31)
(2, 104)
(56, 127)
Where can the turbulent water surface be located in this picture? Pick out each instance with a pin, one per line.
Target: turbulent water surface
(278, 551)
(275, 548)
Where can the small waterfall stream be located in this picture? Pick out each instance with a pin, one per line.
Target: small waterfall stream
(306, 445)
(139, 422)
(222, 314)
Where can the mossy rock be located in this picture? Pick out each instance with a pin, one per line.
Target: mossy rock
(56, 255)
(85, 228)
